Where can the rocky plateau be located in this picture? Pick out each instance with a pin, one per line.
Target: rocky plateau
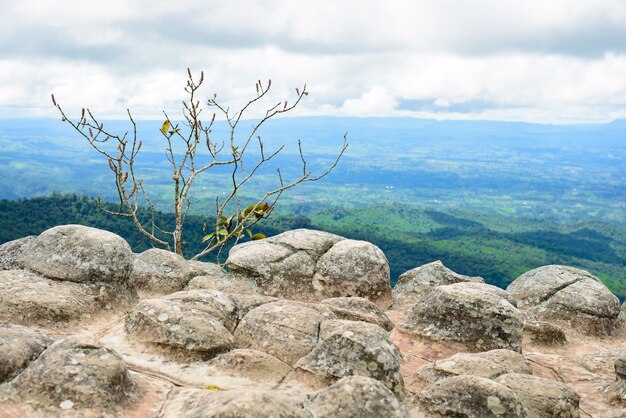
(302, 324)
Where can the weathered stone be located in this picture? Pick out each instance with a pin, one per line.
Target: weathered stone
(11, 252)
(359, 309)
(230, 283)
(212, 302)
(76, 372)
(542, 397)
(245, 303)
(468, 313)
(414, 283)
(79, 254)
(29, 299)
(285, 329)
(203, 268)
(351, 348)
(354, 268)
(311, 266)
(251, 364)
(238, 404)
(157, 271)
(356, 396)
(570, 295)
(618, 387)
(489, 364)
(18, 347)
(545, 333)
(468, 396)
(176, 325)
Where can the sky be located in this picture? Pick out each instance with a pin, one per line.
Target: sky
(547, 61)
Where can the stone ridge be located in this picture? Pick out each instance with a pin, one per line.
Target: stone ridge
(298, 326)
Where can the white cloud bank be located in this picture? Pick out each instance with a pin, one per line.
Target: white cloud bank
(544, 61)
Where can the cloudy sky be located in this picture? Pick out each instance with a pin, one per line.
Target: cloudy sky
(544, 61)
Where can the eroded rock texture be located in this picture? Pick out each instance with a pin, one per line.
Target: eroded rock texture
(570, 295)
(414, 283)
(350, 348)
(473, 314)
(312, 265)
(468, 396)
(79, 254)
(357, 396)
(19, 346)
(76, 373)
(285, 329)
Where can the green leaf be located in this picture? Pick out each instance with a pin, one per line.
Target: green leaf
(247, 210)
(256, 237)
(208, 237)
(165, 127)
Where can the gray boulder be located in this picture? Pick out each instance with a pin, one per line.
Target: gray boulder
(194, 325)
(79, 254)
(618, 388)
(19, 346)
(356, 396)
(543, 333)
(468, 396)
(472, 314)
(228, 283)
(29, 299)
(312, 265)
(11, 252)
(350, 348)
(157, 271)
(414, 283)
(488, 364)
(255, 403)
(76, 373)
(359, 309)
(285, 329)
(570, 295)
(542, 397)
(251, 364)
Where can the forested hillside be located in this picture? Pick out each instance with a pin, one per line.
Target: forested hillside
(496, 248)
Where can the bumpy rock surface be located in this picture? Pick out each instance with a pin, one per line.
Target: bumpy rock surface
(414, 283)
(11, 252)
(157, 271)
(544, 333)
(226, 283)
(285, 329)
(568, 294)
(489, 364)
(197, 322)
(358, 309)
(468, 396)
(239, 404)
(18, 347)
(313, 265)
(76, 373)
(469, 313)
(348, 348)
(27, 298)
(79, 254)
(251, 364)
(542, 397)
(356, 396)
(618, 388)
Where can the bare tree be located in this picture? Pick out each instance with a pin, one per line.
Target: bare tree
(233, 221)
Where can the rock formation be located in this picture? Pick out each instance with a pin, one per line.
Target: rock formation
(296, 327)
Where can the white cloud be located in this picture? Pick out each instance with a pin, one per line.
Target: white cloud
(556, 61)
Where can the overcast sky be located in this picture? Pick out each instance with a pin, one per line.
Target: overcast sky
(542, 61)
